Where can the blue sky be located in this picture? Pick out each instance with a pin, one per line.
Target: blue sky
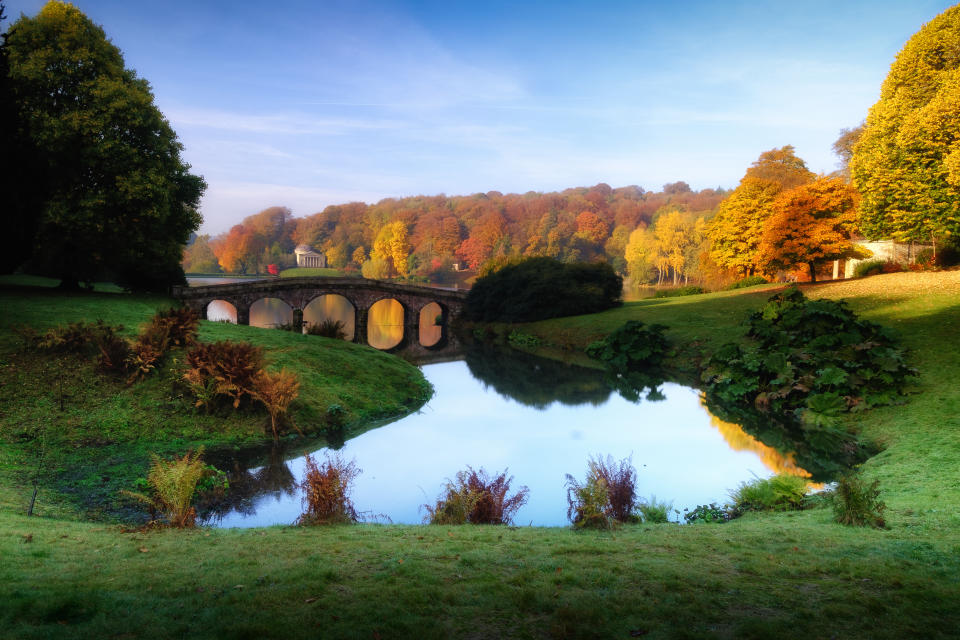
(306, 104)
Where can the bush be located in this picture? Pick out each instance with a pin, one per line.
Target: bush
(173, 484)
(858, 504)
(782, 492)
(749, 281)
(706, 513)
(174, 327)
(477, 498)
(632, 347)
(607, 496)
(540, 288)
(276, 391)
(868, 268)
(223, 369)
(691, 290)
(653, 511)
(326, 488)
(328, 328)
(75, 337)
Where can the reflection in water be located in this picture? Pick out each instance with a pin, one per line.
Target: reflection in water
(249, 487)
(535, 382)
(385, 324)
(269, 313)
(220, 311)
(561, 416)
(332, 307)
(430, 328)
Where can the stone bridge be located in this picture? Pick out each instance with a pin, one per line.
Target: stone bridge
(362, 293)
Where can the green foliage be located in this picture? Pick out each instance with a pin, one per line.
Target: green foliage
(476, 497)
(654, 511)
(173, 484)
(117, 197)
(868, 268)
(539, 288)
(326, 487)
(858, 504)
(690, 290)
(749, 281)
(813, 359)
(606, 497)
(521, 339)
(782, 492)
(706, 514)
(328, 328)
(632, 347)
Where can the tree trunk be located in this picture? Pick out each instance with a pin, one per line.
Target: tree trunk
(813, 272)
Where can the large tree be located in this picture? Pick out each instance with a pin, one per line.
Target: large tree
(907, 160)
(810, 224)
(735, 231)
(119, 200)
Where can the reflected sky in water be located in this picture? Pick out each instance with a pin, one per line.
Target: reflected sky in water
(678, 453)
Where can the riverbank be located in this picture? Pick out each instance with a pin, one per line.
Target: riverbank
(763, 575)
(100, 441)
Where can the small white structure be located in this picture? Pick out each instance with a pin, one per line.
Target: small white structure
(307, 257)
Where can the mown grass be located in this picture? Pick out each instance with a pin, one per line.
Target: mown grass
(299, 272)
(102, 438)
(792, 575)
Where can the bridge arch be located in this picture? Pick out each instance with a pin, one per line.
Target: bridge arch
(270, 312)
(220, 310)
(332, 306)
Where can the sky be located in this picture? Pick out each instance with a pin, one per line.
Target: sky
(306, 104)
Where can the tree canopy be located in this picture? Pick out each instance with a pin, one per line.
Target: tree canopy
(906, 163)
(118, 201)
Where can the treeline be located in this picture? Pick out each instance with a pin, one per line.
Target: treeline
(425, 236)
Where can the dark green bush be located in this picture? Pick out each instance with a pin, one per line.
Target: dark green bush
(540, 288)
(706, 513)
(691, 290)
(857, 503)
(868, 268)
(631, 347)
(749, 281)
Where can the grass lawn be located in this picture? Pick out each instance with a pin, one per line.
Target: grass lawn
(795, 575)
(298, 272)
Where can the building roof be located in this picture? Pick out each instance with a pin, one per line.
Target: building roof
(305, 249)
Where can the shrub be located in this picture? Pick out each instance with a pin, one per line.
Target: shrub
(223, 368)
(868, 268)
(653, 511)
(75, 337)
(690, 290)
(749, 281)
(173, 484)
(173, 327)
(632, 347)
(540, 288)
(608, 495)
(114, 352)
(706, 513)
(475, 497)
(276, 391)
(326, 488)
(141, 360)
(328, 328)
(782, 492)
(855, 503)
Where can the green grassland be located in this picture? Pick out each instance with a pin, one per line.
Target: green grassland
(299, 272)
(793, 575)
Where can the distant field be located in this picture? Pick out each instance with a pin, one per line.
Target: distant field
(299, 272)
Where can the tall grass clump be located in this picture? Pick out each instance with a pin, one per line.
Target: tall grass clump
(327, 488)
(606, 497)
(173, 484)
(476, 497)
(328, 328)
(858, 504)
(654, 511)
(782, 492)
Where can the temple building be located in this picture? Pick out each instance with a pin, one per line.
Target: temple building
(307, 257)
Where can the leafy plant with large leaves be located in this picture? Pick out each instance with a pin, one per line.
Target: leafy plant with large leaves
(809, 359)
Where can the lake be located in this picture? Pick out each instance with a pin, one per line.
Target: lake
(541, 420)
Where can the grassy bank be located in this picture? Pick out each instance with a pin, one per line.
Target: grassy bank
(764, 575)
(100, 441)
(298, 272)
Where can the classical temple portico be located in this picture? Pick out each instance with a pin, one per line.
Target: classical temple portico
(362, 293)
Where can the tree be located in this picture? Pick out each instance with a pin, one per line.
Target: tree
(810, 224)
(843, 148)
(907, 161)
(199, 257)
(119, 200)
(735, 231)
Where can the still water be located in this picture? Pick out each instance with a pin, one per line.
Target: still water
(540, 425)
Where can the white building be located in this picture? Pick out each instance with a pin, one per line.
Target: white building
(307, 257)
